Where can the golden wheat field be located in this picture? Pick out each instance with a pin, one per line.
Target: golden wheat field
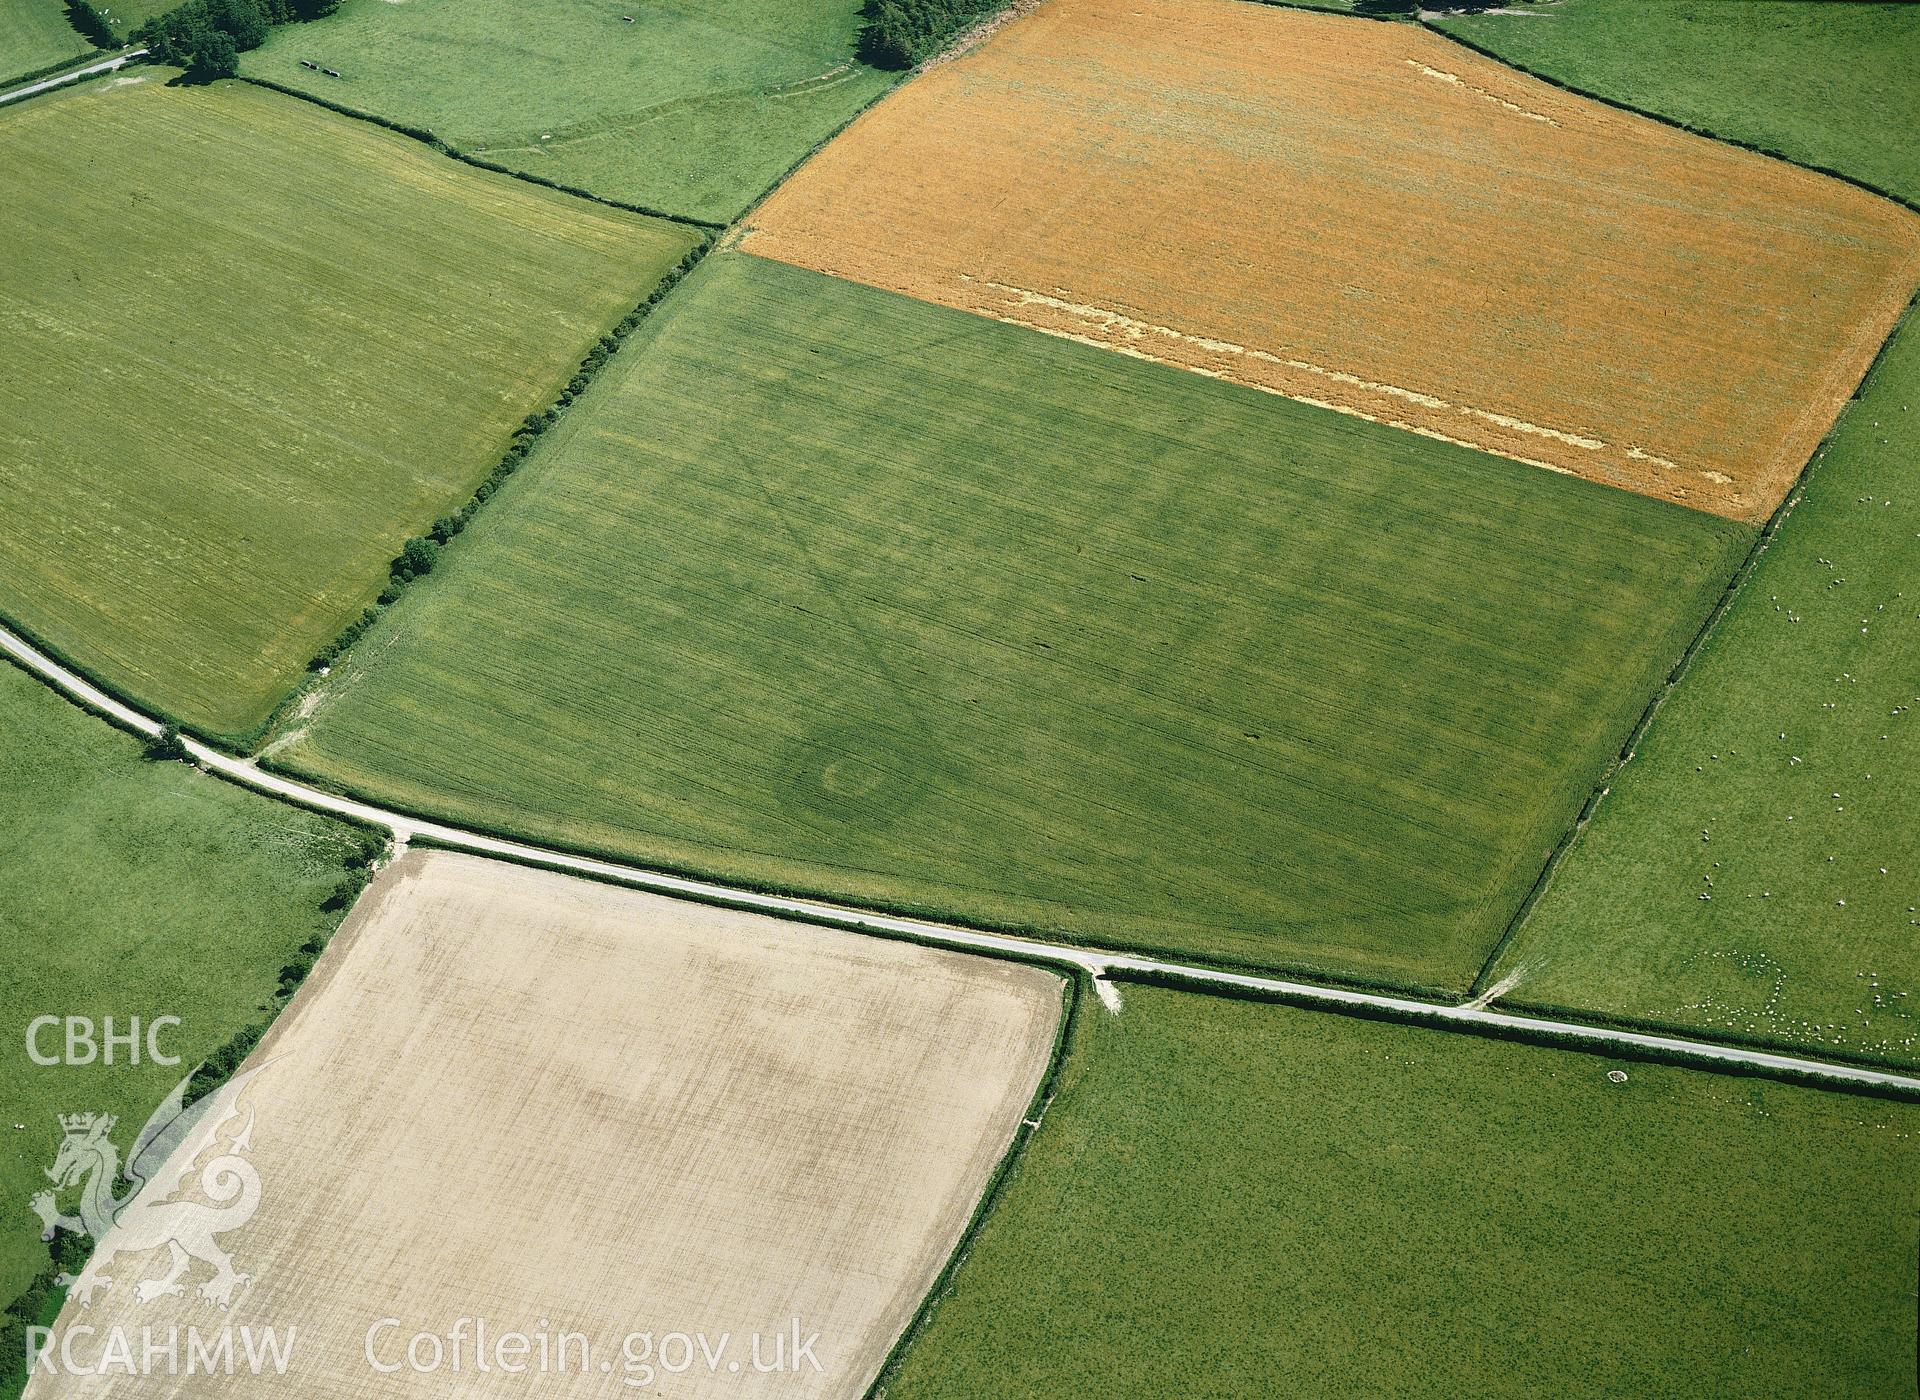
(1369, 217)
(549, 1106)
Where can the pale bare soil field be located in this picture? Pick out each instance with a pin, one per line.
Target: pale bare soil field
(1365, 216)
(551, 1105)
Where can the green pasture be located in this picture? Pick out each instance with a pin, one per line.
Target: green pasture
(826, 588)
(34, 34)
(1756, 870)
(127, 15)
(691, 108)
(1229, 1199)
(252, 346)
(1824, 82)
(130, 888)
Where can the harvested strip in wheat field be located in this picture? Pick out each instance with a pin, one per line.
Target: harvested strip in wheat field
(1369, 217)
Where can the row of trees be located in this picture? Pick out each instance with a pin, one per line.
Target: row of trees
(900, 33)
(92, 25)
(207, 37)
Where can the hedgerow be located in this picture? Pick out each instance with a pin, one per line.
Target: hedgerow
(419, 555)
(900, 33)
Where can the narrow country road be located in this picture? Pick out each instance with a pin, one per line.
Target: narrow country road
(1096, 961)
(73, 76)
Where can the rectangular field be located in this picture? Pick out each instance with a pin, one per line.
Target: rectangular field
(251, 347)
(827, 588)
(1756, 870)
(692, 109)
(34, 34)
(1365, 215)
(129, 888)
(1228, 1199)
(1824, 84)
(552, 1106)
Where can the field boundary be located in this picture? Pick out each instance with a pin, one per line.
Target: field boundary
(1054, 934)
(1072, 996)
(1745, 570)
(60, 74)
(1653, 1025)
(1648, 1045)
(1676, 123)
(1098, 962)
(427, 138)
(520, 446)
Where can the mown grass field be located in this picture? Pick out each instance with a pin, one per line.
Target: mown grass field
(693, 109)
(1779, 781)
(252, 347)
(832, 589)
(1229, 1199)
(34, 34)
(1826, 84)
(130, 888)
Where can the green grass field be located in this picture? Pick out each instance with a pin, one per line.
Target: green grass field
(252, 347)
(127, 15)
(1231, 1199)
(1824, 83)
(1783, 770)
(130, 888)
(694, 109)
(832, 589)
(34, 34)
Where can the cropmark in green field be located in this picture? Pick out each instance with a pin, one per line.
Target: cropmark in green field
(1756, 870)
(694, 109)
(1826, 84)
(1230, 1199)
(131, 888)
(252, 347)
(831, 589)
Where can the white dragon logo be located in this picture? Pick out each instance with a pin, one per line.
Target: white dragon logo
(146, 1217)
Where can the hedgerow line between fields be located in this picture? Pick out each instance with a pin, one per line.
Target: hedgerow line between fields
(1604, 783)
(694, 886)
(426, 137)
(1761, 540)
(1072, 994)
(1100, 963)
(1421, 22)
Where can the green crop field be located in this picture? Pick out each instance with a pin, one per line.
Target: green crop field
(1779, 782)
(1828, 84)
(693, 108)
(252, 346)
(833, 589)
(34, 34)
(1231, 1199)
(131, 888)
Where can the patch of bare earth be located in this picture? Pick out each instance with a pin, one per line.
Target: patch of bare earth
(550, 1106)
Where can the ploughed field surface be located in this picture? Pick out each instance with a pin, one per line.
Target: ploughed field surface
(552, 1105)
(1368, 216)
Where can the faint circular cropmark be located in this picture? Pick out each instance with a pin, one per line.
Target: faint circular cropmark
(855, 777)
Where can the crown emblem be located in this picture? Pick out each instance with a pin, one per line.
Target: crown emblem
(85, 1122)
